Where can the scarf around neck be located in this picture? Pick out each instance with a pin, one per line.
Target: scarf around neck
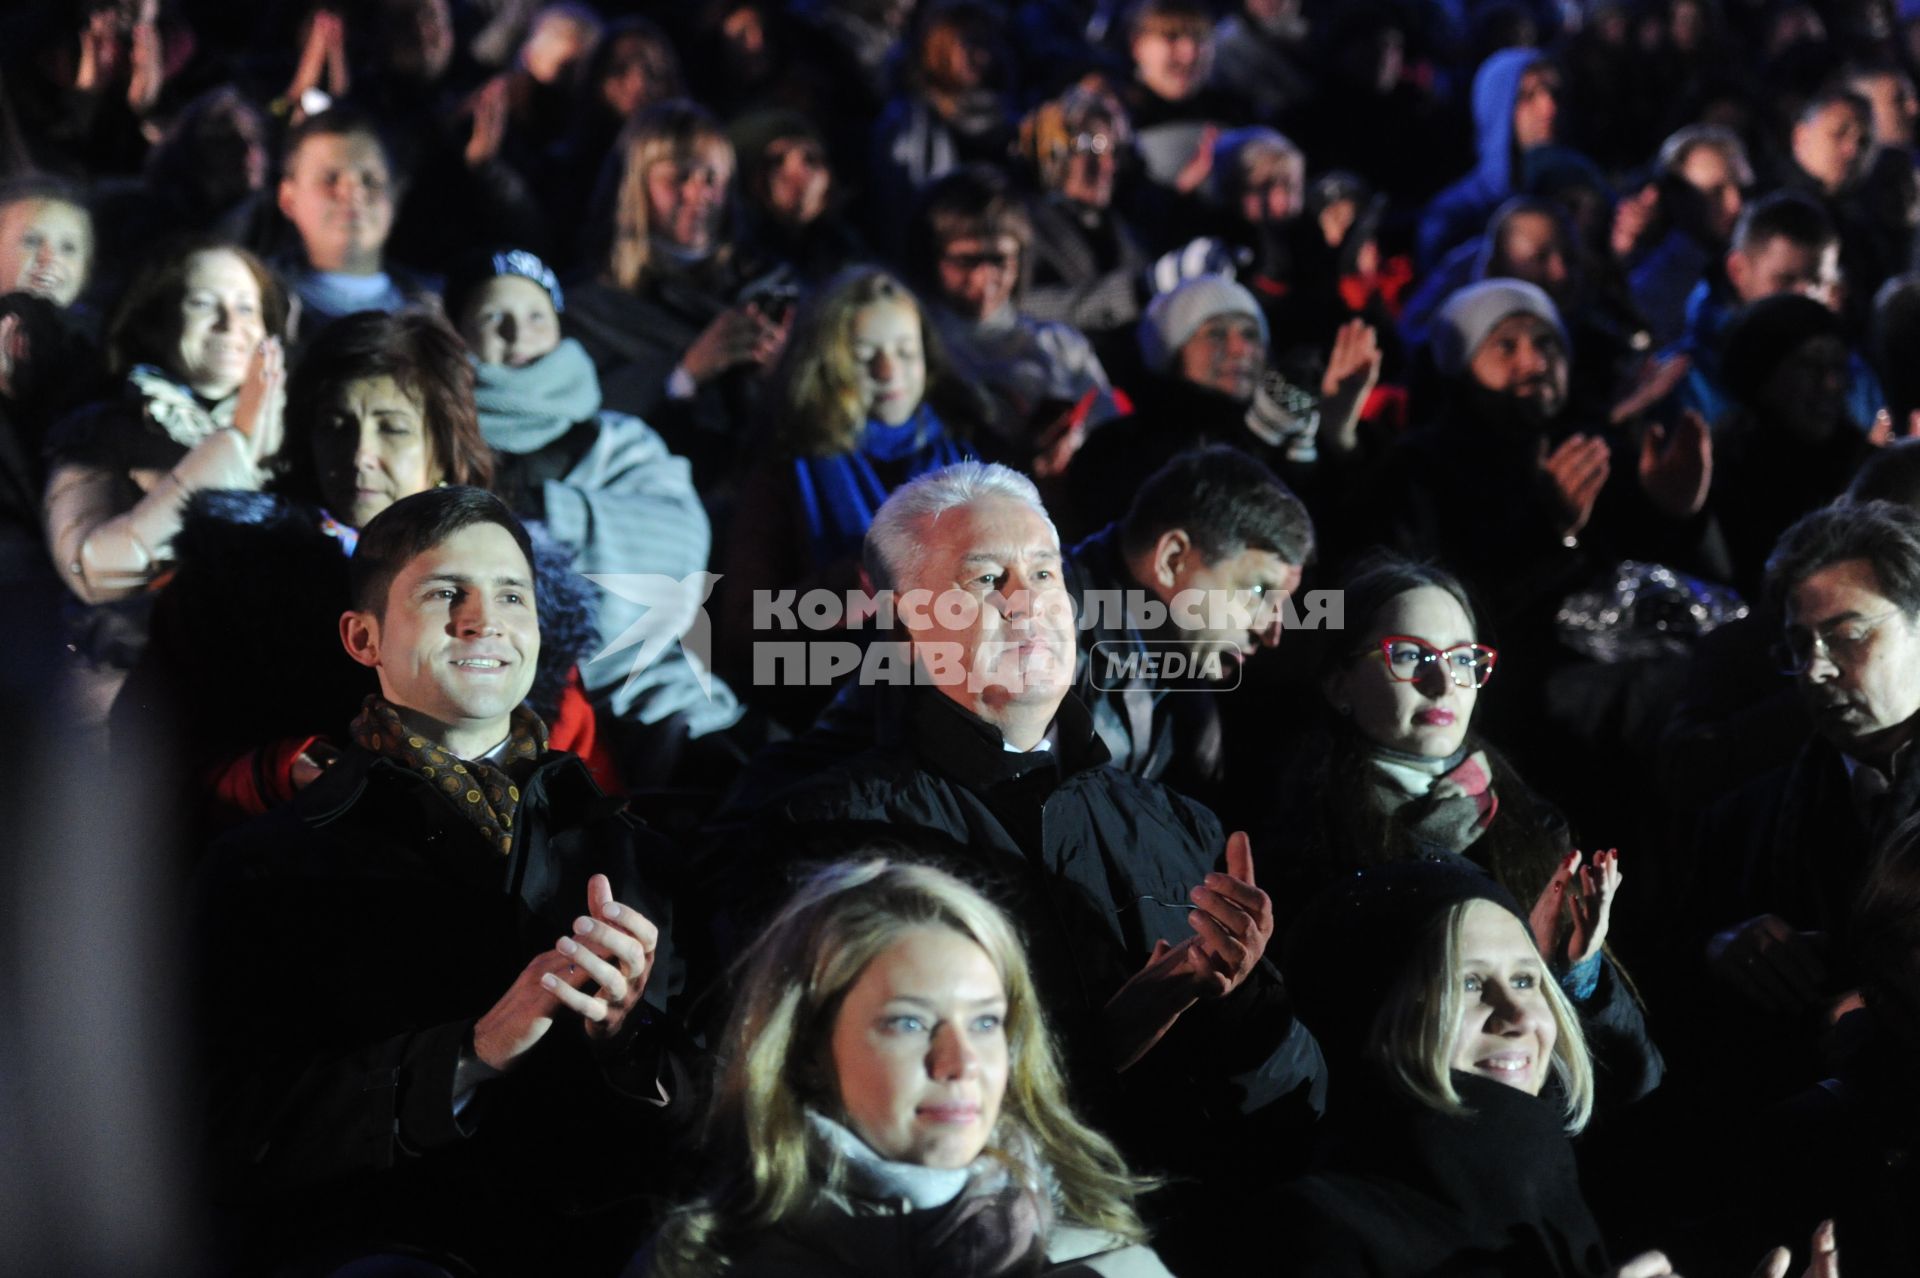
(484, 793)
(1447, 802)
(982, 1218)
(840, 494)
(176, 409)
(524, 409)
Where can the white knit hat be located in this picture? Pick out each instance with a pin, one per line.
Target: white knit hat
(1471, 313)
(1172, 318)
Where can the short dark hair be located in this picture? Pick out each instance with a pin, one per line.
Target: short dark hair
(414, 525)
(1784, 215)
(338, 122)
(1890, 474)
(420, 351)
(1834, 93)
(1225, 501)
(1168, 13)
(145, 325)
(1886, 535)
(975, 200)
(43, 186)
(1378, 579)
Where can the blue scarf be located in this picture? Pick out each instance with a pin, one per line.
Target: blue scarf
(841, 494)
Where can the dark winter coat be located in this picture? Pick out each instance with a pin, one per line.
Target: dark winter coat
(1095, 866)
(328, 1054)
(1404, 1191)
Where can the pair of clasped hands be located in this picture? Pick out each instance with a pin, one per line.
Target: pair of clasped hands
(611, 950)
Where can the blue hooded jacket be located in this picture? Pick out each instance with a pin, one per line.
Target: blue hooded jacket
(1461, 211)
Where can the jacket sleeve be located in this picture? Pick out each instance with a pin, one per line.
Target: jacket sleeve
(1627, 1064)
(630, 508)
(105, 554)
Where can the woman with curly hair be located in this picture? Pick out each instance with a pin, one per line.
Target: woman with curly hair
(865, 403)
(890, 1101)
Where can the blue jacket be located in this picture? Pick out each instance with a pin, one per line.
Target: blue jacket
(1709, 318)
(1461, 210)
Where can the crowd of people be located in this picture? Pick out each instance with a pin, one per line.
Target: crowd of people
(982, 637)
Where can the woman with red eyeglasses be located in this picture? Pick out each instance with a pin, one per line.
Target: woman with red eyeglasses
(1396, 773)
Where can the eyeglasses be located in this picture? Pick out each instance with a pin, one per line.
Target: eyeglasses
(1092, 143)
(1842, 644)
(1408, 657)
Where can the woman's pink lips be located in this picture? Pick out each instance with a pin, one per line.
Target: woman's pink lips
(949, 1113)
(1435, 718)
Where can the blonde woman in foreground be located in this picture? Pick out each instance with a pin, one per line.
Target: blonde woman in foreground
(890, 1102)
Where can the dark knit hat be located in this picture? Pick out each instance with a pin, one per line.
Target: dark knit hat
(1765, 334)
(475, 269)
(1353, 942)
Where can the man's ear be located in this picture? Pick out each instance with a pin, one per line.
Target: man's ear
(1171, 553)
(360, 636)
(283, 197)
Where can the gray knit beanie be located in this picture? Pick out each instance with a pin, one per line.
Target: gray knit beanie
(1471, 313)
(1172, 318)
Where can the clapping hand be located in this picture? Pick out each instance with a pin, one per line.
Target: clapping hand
(1676, 473)
(1769, 963)
(1353, 368)
(611, 949)
(1578, 470)
(1582, 896)
(1881, 435)
(260, 412)
(1233, 923)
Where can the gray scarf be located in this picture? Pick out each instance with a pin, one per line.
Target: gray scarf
(524, 409)
(982, 1219)
(1445, 802)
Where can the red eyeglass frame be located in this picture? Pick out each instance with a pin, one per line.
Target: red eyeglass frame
(1386, 657)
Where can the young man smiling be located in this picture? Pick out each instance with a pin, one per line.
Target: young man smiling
(415, 1058)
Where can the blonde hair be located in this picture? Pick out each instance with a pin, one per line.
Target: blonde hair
(822, 409)
(675, 131)
(775, 1064)
(1412, 1036)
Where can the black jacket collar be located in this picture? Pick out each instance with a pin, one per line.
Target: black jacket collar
(967, 749)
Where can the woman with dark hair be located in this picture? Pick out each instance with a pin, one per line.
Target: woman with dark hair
(666, 323)
(246, 671)
(195, 347)
(1398, 774)
(791, 196)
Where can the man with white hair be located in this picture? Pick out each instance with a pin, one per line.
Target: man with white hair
(1148, 959)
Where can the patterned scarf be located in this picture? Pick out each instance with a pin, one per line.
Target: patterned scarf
(1446, 802)
(174, 409)
(482, 792)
